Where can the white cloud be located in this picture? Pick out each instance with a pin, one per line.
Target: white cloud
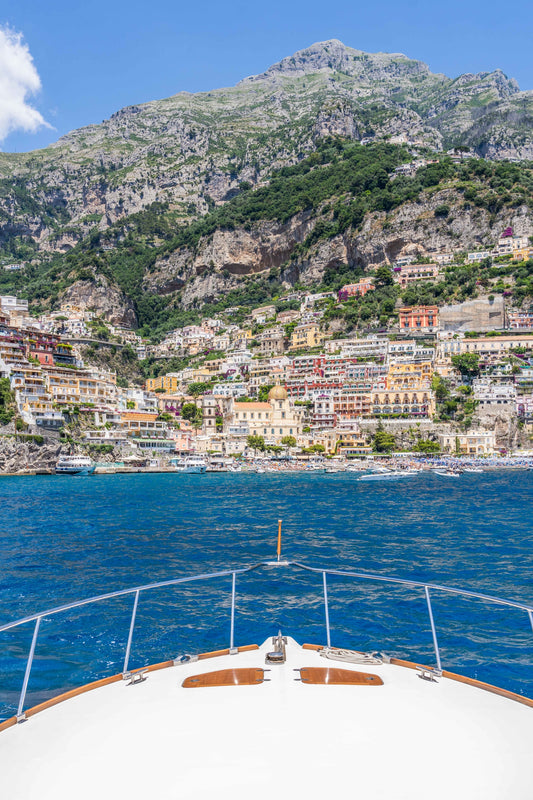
(19, 80)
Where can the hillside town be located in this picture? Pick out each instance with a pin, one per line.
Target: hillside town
(278, 380)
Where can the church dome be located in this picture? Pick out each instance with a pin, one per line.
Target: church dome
(277, 393)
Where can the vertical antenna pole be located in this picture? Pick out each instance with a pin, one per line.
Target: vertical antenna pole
(279, 539)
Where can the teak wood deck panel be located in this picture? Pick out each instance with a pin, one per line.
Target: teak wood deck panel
(244, 676)
(338, 677)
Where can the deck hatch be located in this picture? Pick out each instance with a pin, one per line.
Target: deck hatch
(241, 676)
(338, 677)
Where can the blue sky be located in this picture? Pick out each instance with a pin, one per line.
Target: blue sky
(94, 58)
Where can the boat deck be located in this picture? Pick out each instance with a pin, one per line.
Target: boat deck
(276, 731)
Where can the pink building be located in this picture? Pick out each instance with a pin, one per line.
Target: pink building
(356, 289)
(520, 320)
(416, 272)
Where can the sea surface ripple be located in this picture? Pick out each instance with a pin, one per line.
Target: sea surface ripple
(66, 538)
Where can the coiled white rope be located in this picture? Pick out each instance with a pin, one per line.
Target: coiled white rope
(350, 656)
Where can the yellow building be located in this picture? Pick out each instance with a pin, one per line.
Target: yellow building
(419, 403)
(90, 386)
(167, 383)
(473, 443)
(273, 420)
(304, 336)
(410, 375)
(204, 373)
(352, 443)
(523, 254)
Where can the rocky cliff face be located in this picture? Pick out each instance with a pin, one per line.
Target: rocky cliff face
(194, 149)
(220, 262)
(106, 300)
(17, 455)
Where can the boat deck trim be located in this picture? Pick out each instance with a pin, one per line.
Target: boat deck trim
(88, 687)
(453, 676)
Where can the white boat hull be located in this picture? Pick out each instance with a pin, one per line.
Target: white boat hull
(402, 737)
(387, 476)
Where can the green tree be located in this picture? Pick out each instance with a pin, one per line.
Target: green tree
(7, 409)
(384, 276)
(382, 441)
(440, 387)
(200, 387)
(426, 446)
(467, 364)
(290, 441)
(289, 328)
(262, 394)
(128, 354)
(255, 442)
(192, 413)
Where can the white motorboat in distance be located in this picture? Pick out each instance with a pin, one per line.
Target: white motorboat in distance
(190, 464)
(389, 475)
(75, 465)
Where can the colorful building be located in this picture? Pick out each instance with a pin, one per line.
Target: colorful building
(308, 335)
(164, 383)
(419, 318)
(358, 289)
(416, 272)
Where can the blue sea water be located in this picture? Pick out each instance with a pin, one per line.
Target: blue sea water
(65, 538)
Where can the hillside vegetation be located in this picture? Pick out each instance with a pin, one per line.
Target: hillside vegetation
(336, 187)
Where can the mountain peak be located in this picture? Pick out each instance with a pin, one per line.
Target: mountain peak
(334, 55)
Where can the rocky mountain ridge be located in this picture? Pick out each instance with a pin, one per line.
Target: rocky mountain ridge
(194, 150)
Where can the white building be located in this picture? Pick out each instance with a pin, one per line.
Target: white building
(373, 347)
(508, 244)
(472, 443)
(490, 393)
(409, 350)
(233, 389)
(479, 255)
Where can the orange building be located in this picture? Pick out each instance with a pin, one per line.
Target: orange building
(356, 289)
(419, 318)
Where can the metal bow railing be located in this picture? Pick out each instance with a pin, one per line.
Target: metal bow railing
(427, 588)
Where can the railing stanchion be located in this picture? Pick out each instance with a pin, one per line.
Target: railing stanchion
(20, 713)
(433, 630)
(130, 634)
(232, 627)
(326, 609)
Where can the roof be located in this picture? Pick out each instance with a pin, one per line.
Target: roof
(395, 736)
(252, 407)
(138, 416)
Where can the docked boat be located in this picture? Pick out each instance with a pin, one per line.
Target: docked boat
(388, 475)
(243, 721)
(75, 465)
(449, 473)
(191, 464)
